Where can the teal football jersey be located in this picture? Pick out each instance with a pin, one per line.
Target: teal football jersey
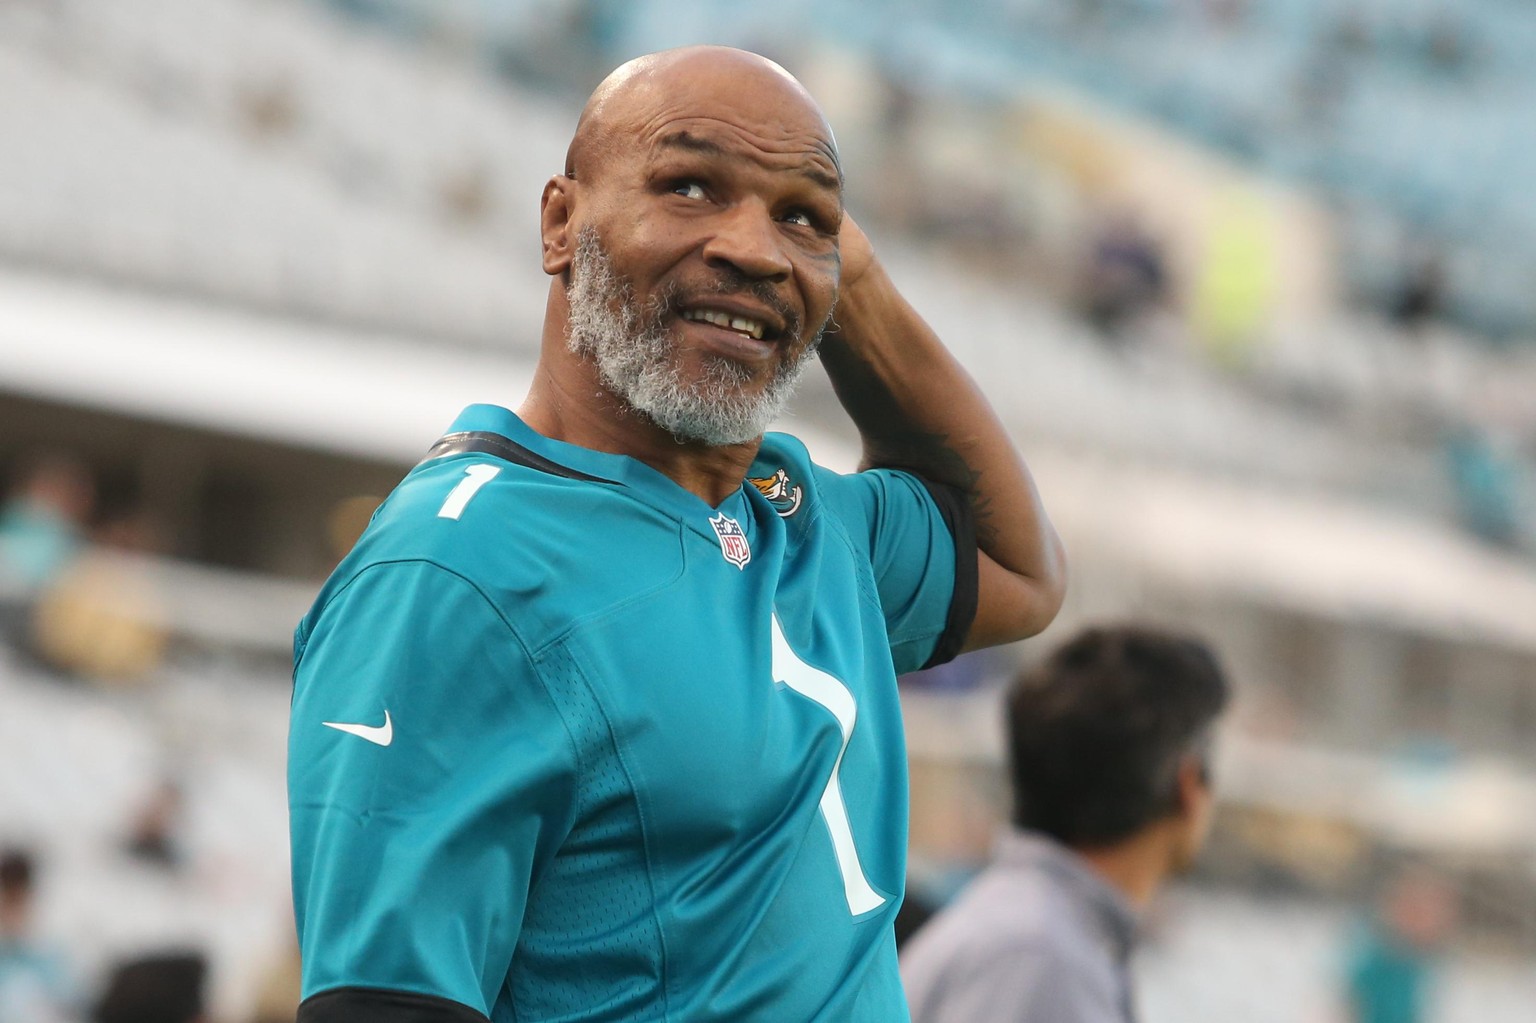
(569, 744)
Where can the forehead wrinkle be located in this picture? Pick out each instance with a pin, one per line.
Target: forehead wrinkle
(668, 135)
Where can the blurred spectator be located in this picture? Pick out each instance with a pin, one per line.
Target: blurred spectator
(1391, 962)
(34, 984)
(1487, 486)
(43, 519)
(103, 619)
(154, 835)
(155, 989)
(1125, 278)
(1421, 294)
(1109, 748)
(1447, 48)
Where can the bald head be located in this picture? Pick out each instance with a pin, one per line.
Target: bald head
(695, 81)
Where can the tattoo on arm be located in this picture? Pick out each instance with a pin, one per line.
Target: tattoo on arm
(981, 511)
(931, 456)
(892, 443)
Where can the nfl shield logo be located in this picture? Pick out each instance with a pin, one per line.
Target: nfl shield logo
(733, 542)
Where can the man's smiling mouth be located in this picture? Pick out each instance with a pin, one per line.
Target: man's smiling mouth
(755, 329)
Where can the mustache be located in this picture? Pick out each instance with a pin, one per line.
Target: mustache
(730, 282)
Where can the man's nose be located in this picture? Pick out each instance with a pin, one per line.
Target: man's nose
(748, 240)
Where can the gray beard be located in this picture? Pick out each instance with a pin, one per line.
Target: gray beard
(637, 359)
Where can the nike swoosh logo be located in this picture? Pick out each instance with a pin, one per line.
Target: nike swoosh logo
(380, 735)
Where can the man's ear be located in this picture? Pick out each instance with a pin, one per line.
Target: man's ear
(557, 235)
(1191, 814)
(1197, 796)
(1192, 785)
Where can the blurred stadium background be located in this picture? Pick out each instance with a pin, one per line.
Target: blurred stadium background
(1253, 282)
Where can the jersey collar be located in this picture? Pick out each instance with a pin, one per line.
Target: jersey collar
(648, 484)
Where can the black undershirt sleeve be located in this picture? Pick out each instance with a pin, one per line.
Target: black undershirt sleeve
(956, 511)
(378, 1005)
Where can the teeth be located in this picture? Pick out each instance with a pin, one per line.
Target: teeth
(740, 324)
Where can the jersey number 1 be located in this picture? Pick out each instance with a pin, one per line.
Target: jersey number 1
(820, 687)
(475, 477)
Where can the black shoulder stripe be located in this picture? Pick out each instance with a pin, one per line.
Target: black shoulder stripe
(955, 507)
(378, 1005)
(487, 443)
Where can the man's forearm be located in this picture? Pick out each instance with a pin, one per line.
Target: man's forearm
(916, 408)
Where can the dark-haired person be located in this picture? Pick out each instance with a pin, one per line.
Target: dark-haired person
(1109, 745)
(161, 988)
(598, 721)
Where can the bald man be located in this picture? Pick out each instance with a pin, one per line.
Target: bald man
(598, 721)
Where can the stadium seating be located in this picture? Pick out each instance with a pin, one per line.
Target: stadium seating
(257, 153)
(268, 154)
(1412, 106)
(77, 764)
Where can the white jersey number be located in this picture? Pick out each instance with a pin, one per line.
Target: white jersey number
(819, 687)
(475, 477)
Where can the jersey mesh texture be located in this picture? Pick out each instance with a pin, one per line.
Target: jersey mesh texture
(591, 947)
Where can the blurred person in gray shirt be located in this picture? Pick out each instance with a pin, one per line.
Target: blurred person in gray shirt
(1109, 749)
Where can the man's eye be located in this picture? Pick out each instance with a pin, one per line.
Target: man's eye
(689, 190)
(799, 217)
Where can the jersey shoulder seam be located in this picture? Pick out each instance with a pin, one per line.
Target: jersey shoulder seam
(818, 515)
